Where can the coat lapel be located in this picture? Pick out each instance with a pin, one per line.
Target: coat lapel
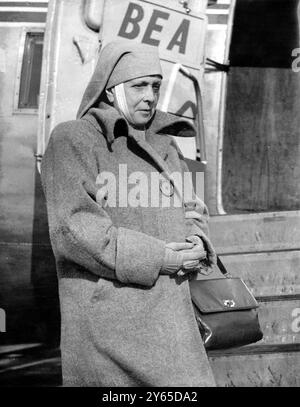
(156, 147)
(157, 143)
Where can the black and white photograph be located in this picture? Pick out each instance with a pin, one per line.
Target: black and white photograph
(149, 196)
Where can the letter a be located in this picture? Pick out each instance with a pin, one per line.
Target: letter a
(129, 19)
(180, 37)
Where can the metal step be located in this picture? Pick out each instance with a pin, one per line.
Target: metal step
(264, 250)
(258, 232)
(280, 321)
(267, 274)
(269, 366)
(30, 365)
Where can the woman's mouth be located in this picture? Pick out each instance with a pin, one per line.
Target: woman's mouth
(145, 112)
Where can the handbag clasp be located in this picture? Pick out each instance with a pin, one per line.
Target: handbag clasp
(229, 303)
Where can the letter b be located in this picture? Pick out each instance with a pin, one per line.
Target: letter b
(134, 21)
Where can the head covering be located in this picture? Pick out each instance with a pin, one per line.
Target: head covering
(119, 61)
(142, 61)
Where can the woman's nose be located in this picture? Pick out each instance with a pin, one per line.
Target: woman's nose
(149, 94)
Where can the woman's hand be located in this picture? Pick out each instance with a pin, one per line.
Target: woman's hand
(182, 256)
(174, 258)
(201, 264)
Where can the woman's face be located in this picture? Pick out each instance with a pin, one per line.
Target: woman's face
(142, 95)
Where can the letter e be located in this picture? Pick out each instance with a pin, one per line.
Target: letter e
(152, 26)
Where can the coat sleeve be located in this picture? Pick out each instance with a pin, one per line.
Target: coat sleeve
(196, 214)
(80, 229)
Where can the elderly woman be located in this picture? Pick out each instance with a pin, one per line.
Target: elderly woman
(122, 255)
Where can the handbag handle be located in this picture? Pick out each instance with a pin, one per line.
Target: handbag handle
(222, 268)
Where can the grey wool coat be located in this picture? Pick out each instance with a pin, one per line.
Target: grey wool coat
(122, 322)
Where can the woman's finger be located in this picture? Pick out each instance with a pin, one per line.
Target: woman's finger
(180, 245)
(194, 254)
(193, 215)
(190, 264)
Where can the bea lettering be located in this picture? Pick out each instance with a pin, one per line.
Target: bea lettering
(130, 27)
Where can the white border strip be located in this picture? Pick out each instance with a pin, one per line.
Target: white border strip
(23, 9)
(22, 24)
(24, 1)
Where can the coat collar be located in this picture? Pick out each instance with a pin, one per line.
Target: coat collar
(112, 123)
(157, 143)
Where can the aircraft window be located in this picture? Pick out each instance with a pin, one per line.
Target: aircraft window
(31, 71)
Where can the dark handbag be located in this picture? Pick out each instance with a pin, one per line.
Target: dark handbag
(226, 311)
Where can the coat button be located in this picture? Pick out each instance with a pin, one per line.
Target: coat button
(166, 188)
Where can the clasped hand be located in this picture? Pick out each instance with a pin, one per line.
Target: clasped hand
(192, 255)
